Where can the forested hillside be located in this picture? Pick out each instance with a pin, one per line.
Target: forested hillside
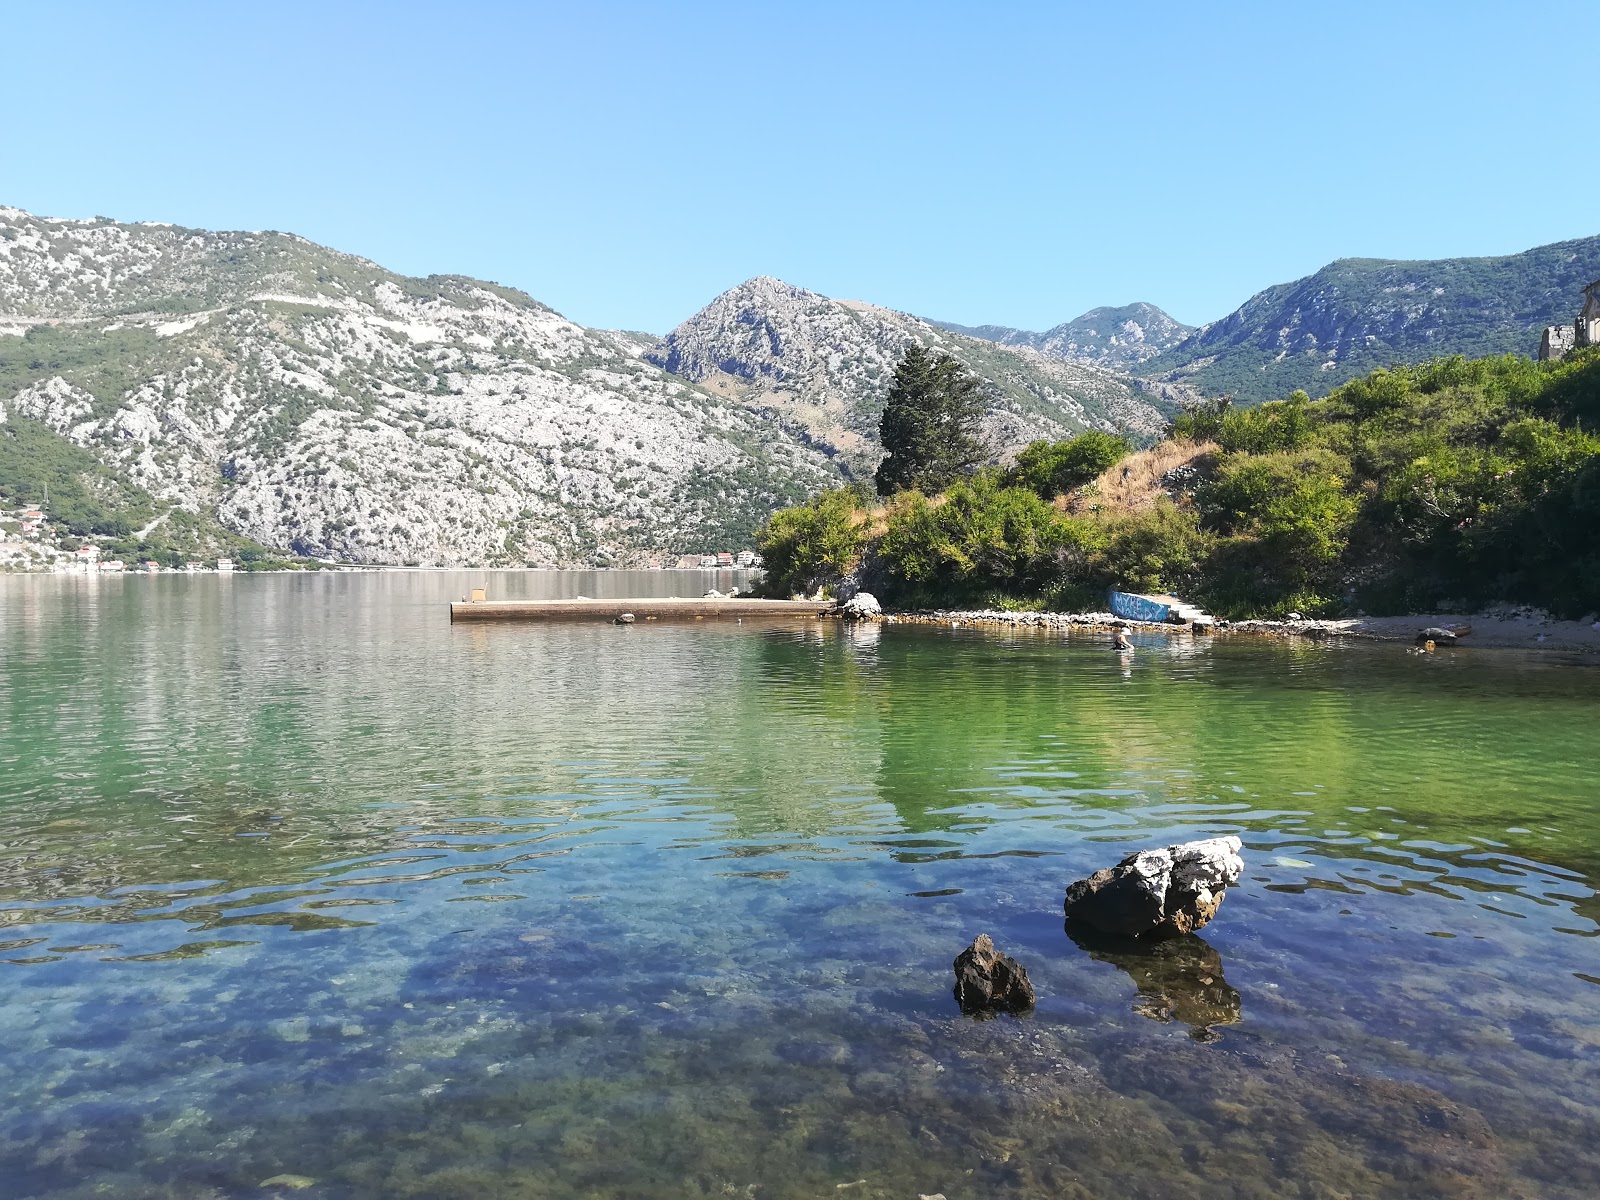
(1456, 483)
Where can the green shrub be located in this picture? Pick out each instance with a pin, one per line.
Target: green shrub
(1052, 469)
(812, 544)
(1277, 425)
(1380, 392)
(1201, 420)
(1160, 549)
(983, 535)
(1570, 390)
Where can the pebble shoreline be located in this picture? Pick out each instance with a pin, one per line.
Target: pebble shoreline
(1501, 629)
(1108, 621)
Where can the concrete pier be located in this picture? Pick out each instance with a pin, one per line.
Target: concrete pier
(644, 609)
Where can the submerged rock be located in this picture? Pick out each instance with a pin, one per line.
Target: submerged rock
(1173, 890)
(863, 606)
(988, 981)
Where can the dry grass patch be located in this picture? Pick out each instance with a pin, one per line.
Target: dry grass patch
(1135, 483)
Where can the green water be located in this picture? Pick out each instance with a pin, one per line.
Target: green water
(298, 879)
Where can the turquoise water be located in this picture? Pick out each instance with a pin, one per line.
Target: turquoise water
(298, 882)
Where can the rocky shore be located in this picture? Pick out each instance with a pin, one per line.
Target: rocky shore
(1520, 628)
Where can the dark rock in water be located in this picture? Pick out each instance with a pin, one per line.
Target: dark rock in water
(1158, 892)
(1441, 635)
(624, 619)
(989, 982)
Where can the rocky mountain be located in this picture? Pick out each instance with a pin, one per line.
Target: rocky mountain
(200, 386)
(1116, 338)
(821, 368)
(1360, 313)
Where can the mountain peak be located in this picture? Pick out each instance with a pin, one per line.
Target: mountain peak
(1119, 338)
(824, 366)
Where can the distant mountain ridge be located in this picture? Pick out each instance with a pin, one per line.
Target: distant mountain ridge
(822, 367)
(1357, 314)
(1350, 317)
(1118, 338)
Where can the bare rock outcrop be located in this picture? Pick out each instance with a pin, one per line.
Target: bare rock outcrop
(1177, 889)
(863, 606)
(988, 982)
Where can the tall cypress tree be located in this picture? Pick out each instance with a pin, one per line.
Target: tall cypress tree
(931, 425)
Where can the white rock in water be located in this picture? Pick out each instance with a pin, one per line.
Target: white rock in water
(1174, 890)
(863, 606)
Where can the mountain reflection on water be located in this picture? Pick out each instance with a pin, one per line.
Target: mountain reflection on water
(299, 881)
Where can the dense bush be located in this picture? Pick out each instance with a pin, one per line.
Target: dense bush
(1294, 502)
(979, 535)
(1159, 549)
(1054, 468)
(1201, 420)
(1278, 425)
(812, 544)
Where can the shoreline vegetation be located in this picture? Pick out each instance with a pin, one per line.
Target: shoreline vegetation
(1458, 485)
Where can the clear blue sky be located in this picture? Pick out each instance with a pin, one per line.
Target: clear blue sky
(1015, 163)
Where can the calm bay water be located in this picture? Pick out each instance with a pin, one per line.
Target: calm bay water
(300, 883)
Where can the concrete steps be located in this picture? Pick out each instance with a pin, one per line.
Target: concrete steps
(1183, 611)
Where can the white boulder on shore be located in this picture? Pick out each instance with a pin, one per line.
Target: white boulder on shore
(863, 606)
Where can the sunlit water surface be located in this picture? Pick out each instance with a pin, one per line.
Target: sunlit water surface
(305, 891)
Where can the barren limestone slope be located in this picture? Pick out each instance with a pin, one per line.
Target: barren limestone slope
(317, 403)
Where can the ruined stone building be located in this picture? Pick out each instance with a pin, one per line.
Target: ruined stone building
(1559, 340)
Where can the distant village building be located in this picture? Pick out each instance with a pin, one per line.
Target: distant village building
(1560, 340)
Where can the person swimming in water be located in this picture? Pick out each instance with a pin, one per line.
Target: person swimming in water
(1120, 642)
